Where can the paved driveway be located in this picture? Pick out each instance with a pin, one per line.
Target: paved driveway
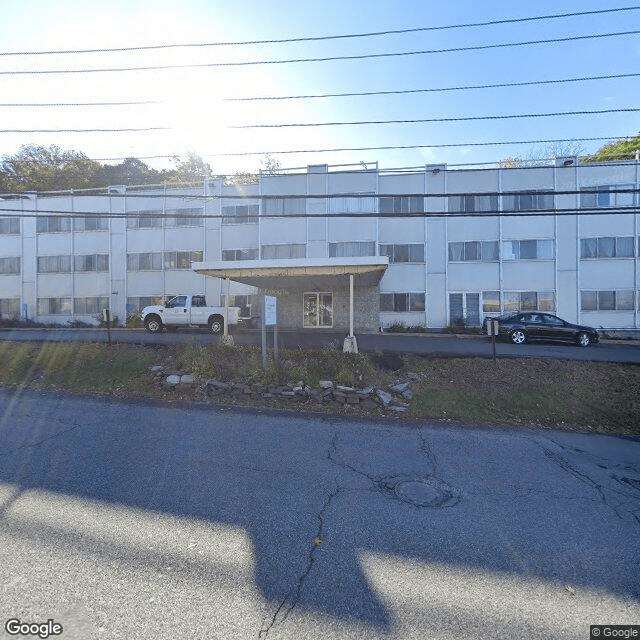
(431, 345)
(140, 521)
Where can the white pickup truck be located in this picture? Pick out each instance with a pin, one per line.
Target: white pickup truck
(188, 310)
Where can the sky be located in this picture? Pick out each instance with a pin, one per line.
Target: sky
(194, 109)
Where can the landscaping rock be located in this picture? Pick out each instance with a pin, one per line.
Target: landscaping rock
(173, 379)
(384, 397)
(399, 387)
(325, 384)
(186, 379)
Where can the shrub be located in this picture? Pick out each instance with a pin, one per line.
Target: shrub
(397, 327)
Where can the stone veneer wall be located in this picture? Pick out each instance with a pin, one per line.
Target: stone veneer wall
(366, 307)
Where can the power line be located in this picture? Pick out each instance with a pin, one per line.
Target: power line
(77, 104)
(416, 121)
(435, 90)
(323, 59)
(119, 130)
(393, 147)
(308, 196)
(32, 213)
(320, 38)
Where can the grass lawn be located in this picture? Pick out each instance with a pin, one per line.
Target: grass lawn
(526, 392)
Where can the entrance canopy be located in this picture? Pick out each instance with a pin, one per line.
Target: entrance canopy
(299, 273)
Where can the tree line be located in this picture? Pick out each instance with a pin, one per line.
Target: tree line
(40, 168)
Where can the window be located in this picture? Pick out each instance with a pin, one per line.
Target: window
(364, 203)
(606, 196)
(138, 303)
(9, 265)
(9, 307)
(188, 217)
(607, 300)
(247, 303)
(54, 264)
(54, 306)
(403, 252)
(145, 219)
(491, 301)
(473, 203)
(98, 262)
(283, 251)
(529, 301)
(181, 259)
(240, 214)
(527, 201)
(240, 254)
(283, 206)
(317, 310)
(401, 204)
(90, 305)
(90, 223)
(53, 224)
(351, 249)
(474, 251)
(607, 247)
(9, 226)
(402, 301)
(144, 261)
(528, 250)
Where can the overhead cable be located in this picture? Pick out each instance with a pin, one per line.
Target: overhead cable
(247, 63)
(415, 121)
(319, 38)
(78, 104)
(31, 213)
(434, 90)
(119, 130)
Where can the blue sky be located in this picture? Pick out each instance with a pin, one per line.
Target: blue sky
(192, 105)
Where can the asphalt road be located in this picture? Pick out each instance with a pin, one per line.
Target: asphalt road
(138, 521)
(434, 345)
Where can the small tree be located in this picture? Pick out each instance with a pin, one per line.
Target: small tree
(617, 150)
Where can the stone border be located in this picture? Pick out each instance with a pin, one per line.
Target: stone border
(396, 397)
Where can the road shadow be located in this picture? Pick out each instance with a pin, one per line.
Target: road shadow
(301, 489)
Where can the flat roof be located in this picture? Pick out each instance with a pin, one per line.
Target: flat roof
(298, 272)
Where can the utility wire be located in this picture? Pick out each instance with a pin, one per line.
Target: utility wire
(324, 59)
(31, 213)
(503, 117)
(326, 196)
(391, 147)
(320, 38)
(119, 130)
(435, 90)
(77, 104)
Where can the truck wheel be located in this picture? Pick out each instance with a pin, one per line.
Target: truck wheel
(153, 324)
(216, 325)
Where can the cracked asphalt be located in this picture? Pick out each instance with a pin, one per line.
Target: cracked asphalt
(142, 521)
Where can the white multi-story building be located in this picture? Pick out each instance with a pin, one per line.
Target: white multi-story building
(426, 246)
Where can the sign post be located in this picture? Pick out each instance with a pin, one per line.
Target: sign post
(492, 330)
(106, 314)
(269, 317)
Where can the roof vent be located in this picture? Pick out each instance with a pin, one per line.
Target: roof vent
(566, 161)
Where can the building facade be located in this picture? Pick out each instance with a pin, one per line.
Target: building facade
(461, 244)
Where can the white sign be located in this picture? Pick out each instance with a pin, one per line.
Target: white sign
(270, 313)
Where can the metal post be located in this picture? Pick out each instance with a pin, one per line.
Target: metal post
(350, 344)
(264, 341)
(351, 305)
(226, 310)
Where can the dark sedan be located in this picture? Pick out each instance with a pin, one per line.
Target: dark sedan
(522, 327)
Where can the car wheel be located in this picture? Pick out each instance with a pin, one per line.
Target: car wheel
(583, 339)
(153, 324)
(518, 337)
(216, 326)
